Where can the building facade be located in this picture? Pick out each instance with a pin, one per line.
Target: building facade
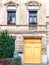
(27, 21)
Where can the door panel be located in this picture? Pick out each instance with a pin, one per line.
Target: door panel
(37, 55)
(27, 53)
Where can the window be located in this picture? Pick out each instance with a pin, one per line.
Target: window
(32, 18)
(11, 17)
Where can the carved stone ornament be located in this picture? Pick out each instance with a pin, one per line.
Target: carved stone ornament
(33, 3)
(11, 3)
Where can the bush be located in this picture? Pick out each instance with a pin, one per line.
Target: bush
(6, 45)
(15, 61)
(11, 61)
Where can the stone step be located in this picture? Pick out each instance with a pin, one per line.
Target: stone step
(36, 64)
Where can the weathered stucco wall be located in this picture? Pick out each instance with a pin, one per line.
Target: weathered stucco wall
(21, 29)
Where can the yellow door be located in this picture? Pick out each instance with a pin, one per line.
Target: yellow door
(32, 50)
(37, 53)
(28, 53)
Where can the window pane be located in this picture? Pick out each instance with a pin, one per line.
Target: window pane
(11, 16)
(30, 19)
(33, 16)
(35, 19)
(13, 19)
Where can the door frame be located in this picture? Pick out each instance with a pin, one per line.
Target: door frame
(31, 37)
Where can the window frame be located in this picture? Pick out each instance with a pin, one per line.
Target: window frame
(13, 10)
(32, 24)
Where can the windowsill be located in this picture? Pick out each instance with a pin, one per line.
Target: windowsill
(11, 23)
(32, 24)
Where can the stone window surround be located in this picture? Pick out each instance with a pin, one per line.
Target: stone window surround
(32, 5)
(10, 5)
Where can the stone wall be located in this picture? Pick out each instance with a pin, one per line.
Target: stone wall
(21, 29)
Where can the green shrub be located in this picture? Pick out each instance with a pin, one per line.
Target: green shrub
(6, 45)
(11, 61)
(15, 61)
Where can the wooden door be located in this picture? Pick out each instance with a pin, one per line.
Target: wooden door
(32, 50)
